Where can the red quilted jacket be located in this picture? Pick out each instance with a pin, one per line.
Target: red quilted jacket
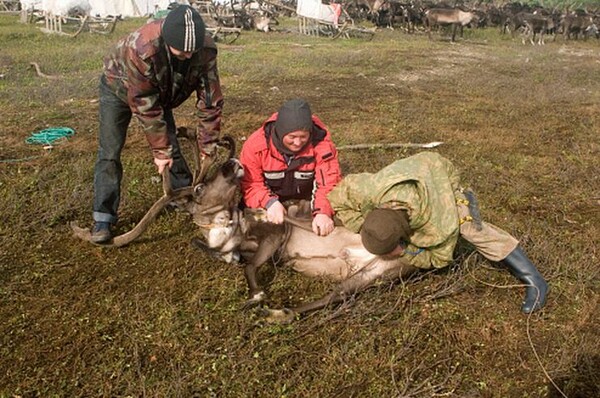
(310, 174)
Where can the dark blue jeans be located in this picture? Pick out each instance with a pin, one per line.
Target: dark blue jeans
(115, 116)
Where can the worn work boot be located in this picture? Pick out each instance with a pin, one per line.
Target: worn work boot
(101, 232)
(522, 268)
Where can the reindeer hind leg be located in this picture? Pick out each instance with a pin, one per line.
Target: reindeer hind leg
(354, 284)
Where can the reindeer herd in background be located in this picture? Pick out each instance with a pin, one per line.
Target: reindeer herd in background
(513, 17)
(533, 23)
(226, 19)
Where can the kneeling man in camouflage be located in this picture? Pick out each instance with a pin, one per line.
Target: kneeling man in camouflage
(416, 208)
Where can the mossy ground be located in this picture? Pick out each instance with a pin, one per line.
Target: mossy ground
(159, 318)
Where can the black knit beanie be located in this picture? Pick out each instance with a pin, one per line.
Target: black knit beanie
(384, 229)
(183, 29)
(292, 116)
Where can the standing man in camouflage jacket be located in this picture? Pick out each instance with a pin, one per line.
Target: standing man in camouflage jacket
(415, 208)
(148, 74)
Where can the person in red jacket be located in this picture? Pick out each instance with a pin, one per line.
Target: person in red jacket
(291, 156)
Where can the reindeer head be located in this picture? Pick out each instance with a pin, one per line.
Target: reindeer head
(213, 204)
(215, 210)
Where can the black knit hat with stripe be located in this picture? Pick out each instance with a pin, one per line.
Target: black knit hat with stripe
(183, 29)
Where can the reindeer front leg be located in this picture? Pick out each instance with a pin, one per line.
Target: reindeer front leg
(454, 27)
(266, 249)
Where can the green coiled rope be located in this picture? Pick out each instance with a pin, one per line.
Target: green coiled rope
(49, 136)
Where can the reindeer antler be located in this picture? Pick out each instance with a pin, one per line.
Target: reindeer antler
(169, 194)
(190, 134)
(202, 163)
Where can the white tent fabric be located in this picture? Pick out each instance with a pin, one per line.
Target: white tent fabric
(131, 8)
(126, 8)
(103, 8)
(317, 10)
(29, 4)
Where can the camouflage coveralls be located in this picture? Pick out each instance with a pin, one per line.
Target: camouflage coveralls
(142, 78)
(428, 186)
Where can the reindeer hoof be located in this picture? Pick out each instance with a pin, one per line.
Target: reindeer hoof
(255, 300)
(283, 316)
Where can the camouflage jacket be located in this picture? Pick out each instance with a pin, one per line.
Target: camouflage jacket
(423, 184)
(140, 71)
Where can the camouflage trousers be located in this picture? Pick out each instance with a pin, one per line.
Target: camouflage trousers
(492, 242)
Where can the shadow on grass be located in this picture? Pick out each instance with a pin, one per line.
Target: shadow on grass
(582, 382)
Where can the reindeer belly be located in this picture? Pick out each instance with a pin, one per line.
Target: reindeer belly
(445, 21)
(314, 255)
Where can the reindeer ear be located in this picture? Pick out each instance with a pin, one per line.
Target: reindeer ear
(232, 169)
(240, 171)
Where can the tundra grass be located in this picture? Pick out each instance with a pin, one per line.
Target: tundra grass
(160, 318)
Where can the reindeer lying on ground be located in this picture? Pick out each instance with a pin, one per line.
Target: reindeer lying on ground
(232, 233)
(340, 256)
(448, 16)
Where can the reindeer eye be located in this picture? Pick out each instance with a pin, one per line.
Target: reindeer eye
(199, 190)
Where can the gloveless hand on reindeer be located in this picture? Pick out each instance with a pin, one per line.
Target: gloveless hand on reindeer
(147, 74)
(291, 157)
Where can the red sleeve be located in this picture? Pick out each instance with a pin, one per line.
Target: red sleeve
(327, 176)
(255, 191)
